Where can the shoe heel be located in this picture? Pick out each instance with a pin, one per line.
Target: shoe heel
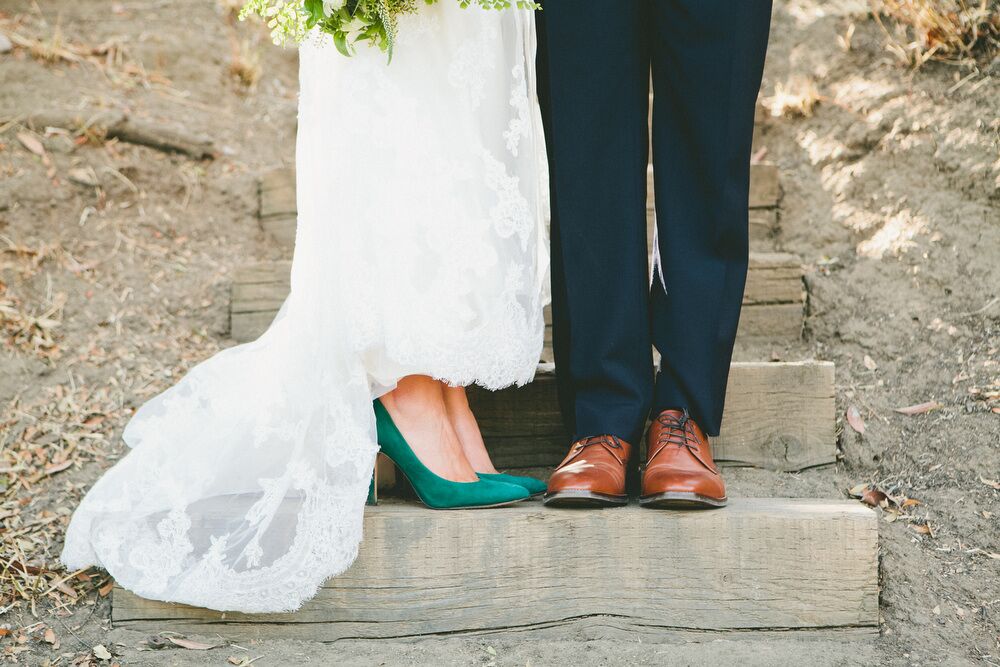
(373, 487)
(383, 477)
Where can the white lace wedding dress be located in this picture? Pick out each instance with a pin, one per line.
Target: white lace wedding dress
(420, 250)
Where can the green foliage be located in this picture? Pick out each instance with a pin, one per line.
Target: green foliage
(349, 22)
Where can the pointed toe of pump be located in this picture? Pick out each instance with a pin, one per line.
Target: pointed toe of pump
(534, 487)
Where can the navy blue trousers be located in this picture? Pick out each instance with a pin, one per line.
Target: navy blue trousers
(595, 62)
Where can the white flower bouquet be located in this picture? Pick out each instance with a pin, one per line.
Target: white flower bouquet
(349, 22)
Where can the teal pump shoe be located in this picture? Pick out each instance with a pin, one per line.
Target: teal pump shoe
(534, 487)
(434, 491)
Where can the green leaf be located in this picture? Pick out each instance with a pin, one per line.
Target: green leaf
(314, 8)
(340, 41)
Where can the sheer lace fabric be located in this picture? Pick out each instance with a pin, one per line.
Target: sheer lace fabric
(420, 249)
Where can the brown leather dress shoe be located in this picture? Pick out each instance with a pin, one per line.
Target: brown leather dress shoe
(680, 472)
(592, 474)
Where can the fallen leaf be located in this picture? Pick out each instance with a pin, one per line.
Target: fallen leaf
(890, 517)
(83, 176)
(101, 653)
(990, 482)
(106, 588)
(919, 409)
(31, 142)
(57, 467)
(63, 587)
(4, 632)
(910, 502)
(94, 420)
(874, 497)
(191, 644)
(870, 363)
(27, 569)
(49, 636)
(242, 662)
(856, 491)
(855, 420)
(922, 528)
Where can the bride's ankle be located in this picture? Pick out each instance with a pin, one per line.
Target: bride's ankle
(467, 427)
(455, 398)
(416, 396)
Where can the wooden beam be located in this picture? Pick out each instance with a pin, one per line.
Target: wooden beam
(278, 209)
(257, 292)
(278, 205)
(779, 416)
(773, 303)
(765, 189)
(531, 572)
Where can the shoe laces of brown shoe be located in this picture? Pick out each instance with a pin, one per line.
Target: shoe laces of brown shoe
(609, 442)
(676, 431)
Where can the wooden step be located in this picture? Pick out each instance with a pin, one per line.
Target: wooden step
(534, 572)
(779, 416)
(773, 303)
(765, 193)
(278, 207)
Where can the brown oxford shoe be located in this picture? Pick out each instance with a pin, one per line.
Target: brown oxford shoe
(680, 472)
(592, 474)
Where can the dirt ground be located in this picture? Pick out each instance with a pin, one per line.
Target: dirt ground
(115, 260)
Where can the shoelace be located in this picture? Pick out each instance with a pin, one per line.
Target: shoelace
(676, 431)
(609, 442)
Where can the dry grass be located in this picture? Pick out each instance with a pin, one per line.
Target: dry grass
(949, 30)
(245, 65)
(795, 99)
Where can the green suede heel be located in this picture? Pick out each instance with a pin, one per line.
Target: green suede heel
(434, 491)
(534, 487)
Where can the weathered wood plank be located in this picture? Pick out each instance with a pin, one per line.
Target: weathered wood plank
(257, 292)
(763, 226)
(778, 416)
(765, 189)
(774, 278)
(277, 193)
(773, 301)
(760, 564)
(781, 321)
(278, 204)
(281, 228)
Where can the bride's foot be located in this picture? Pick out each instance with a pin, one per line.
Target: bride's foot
(465, 425)
(467, 428)
(417, 407)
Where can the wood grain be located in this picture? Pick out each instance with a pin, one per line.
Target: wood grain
(779, 416)
(278, 205)
(760, 564)
(774, 299)
(765, 189)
